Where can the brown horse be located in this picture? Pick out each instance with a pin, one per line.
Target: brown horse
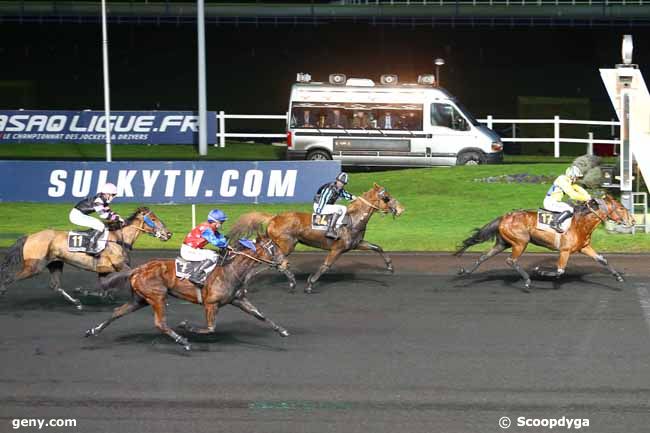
(153, 281)
(49, 248)
(519, 228)
(289, 228)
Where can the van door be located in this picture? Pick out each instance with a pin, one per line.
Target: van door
(451, 131)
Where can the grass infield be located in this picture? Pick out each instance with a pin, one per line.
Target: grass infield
(443, 205)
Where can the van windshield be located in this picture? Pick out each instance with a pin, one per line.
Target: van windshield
(467, 113)
(347, 115)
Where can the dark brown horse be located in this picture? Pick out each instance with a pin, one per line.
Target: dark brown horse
(153, 281)
(289, 228)
(49, 248)
(519, 228)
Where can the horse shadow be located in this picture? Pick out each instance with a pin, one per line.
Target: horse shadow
(239, 334)
(511, 279)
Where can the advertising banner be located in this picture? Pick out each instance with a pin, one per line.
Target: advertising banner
(128, 127)
(166, 182)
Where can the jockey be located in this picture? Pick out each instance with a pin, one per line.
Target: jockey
(565, 184)
(80, 213)
(325, 202)
(206, 232)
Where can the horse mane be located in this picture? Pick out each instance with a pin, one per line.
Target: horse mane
(252, 224)
(142, 209)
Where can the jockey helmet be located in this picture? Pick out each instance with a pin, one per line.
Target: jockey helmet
(573, 171)
(217, 215)
(108, 188)
(342, 177)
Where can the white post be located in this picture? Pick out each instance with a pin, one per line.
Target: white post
(590, 144)
(193, 215)
(203, 116)
(222, 129)
(489, 121)
(107, 93)
(556, 137)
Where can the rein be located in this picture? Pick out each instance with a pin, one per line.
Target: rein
(606, 216)
(257, 259)
(371, 205)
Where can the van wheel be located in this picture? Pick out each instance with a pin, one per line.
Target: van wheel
(469, 158)
(318, 155)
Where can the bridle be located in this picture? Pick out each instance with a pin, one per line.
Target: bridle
(609, 213)
(157, 230)
(381, 196)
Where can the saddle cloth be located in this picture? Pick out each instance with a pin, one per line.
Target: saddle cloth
(545, 217)
(185, 269)
(321, 221)
(78, 240)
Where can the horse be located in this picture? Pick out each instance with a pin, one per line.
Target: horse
(518, 228)
(153, 281)
(49, 248)
(290, 228)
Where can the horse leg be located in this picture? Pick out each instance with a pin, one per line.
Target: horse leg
(496, 249)
(246, 306)
(367, 246)
(589, 251)
(160, 321)
(56, 269)
(561, 265)
(210, 316)
(329, 261)
(518, 250)
(134, 304)
(29, 269)
(250, 276)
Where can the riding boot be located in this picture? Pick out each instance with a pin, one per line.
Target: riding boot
(92, 243)
(332, 233)
(198, 274)
(557, 224)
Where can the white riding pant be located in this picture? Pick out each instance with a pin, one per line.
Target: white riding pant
(332, 208)
(81, 219)
(556, 206)
(197, 254)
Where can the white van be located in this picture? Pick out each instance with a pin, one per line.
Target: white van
(365, 124)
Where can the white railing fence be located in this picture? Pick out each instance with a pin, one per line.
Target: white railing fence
(496, 2)
(490, 121)
(557, 139)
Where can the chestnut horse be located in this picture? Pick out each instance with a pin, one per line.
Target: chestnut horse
(49, 248)
(289, 228)
(519, 228)
(153, 281)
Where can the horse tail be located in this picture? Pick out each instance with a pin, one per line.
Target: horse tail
(13, 259)
(485, 233)
(117, 280)
(250, 224)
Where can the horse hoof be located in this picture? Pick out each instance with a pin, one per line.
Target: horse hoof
(390, 270)
(292, 287)
(79, 307)
(184, 324)
(526, 288)
(187, 347)
(461, 271)
(90, 333)
(283, 332)
(620, 279)
(308, 290)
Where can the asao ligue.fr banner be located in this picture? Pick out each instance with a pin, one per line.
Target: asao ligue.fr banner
(166, 182)
(128, 127)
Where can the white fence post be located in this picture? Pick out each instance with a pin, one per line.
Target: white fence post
(489, 121)
(556, 136)
(222, 129)
(193, 215)
(590, 144)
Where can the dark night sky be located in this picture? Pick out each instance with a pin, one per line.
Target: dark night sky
(250, 69)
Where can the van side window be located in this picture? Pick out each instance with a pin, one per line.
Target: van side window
(447, 116)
